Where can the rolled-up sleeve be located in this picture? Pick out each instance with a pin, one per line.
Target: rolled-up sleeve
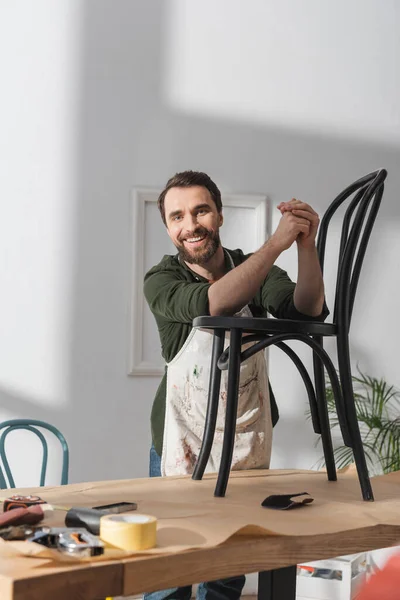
(175, 299)
(277, 297)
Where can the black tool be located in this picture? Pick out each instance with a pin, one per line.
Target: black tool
(285, 502)
(118, 507)
(90, 517)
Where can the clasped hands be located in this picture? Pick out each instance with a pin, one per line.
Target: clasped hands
(299, 222)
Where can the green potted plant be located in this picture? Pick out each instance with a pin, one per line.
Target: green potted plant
(378, 413)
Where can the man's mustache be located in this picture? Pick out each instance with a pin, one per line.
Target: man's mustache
(200, 231)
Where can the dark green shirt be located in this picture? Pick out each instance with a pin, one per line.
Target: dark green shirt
(176, 295)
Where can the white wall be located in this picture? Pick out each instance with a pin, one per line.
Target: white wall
(39, 64)
(280, 98)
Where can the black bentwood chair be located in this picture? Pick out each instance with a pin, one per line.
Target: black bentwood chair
(366, 195)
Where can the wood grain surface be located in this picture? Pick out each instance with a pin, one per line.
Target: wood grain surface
(376, 525)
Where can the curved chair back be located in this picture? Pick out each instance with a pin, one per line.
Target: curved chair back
(31, 425)
(357, 225)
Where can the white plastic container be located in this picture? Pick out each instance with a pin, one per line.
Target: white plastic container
(334, 579)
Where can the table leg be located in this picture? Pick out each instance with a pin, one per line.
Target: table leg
(278, 584)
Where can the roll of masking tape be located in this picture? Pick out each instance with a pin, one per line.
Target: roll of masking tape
(129, 532)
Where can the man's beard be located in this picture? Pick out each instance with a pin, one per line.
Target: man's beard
(201, 255)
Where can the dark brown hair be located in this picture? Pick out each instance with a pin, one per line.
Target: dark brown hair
(190, 179)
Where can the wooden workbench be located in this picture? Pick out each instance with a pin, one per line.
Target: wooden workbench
(194, 526)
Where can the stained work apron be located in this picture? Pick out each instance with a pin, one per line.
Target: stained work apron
(188, 377)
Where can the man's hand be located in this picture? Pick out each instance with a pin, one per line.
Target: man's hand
(309, 292)
(291, 227)
(303, 211)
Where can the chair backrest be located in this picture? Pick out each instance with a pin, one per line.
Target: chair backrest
(31, 425)
(358, 221)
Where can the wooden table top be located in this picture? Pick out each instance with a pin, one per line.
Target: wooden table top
(337, 523)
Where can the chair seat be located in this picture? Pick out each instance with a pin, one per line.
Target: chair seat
(266, 325)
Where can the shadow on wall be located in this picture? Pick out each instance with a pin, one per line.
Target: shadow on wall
(128, 135)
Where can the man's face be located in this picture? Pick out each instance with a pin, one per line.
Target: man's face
(193, 223)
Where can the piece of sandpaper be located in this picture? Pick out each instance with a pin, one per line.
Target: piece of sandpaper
(22, 516)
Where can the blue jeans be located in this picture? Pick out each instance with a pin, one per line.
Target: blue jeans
(223, 589)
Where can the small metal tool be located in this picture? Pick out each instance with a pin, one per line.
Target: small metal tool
(73, 541)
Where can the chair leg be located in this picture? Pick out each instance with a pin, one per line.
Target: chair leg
(231, 412)
(352, 422)
(212, 405)
(325, 430)
(307, 383)
(337, 392)
(318, 408)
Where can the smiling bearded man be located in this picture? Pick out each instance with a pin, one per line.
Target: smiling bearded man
(206, 279)
(199, 247)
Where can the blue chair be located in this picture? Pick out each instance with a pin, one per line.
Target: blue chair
(30, 425)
